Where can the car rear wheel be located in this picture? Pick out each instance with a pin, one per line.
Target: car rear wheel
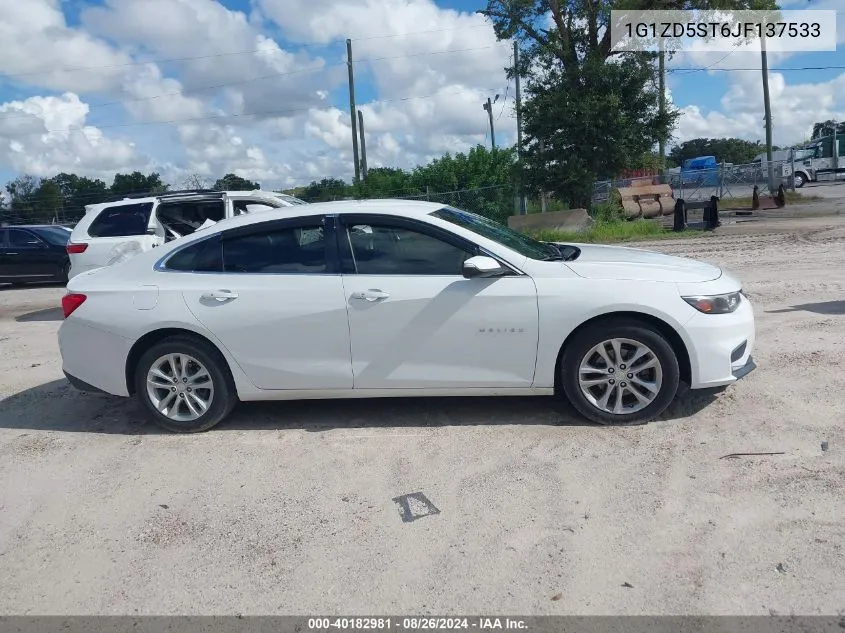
(620, 372)
(185, 385)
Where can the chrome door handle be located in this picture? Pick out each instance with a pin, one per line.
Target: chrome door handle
(11, 253)
(220, 295)
(371, 295)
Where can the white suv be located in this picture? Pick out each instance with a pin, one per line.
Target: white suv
(111, 232)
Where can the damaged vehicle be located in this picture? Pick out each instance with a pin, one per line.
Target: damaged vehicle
(119, 229)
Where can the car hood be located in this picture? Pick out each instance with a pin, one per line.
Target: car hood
(615, 262)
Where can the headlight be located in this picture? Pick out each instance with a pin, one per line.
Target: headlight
(715, 304)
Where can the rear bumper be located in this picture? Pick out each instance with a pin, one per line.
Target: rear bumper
(81, 385)
(93, 357)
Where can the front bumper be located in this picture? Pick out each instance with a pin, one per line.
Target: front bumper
(720, 346)
(746, 369)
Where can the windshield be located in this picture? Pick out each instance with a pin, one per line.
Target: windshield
(55, 235)
(522, 244)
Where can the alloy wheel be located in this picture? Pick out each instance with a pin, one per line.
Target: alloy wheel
(180, 387)
(620, 376)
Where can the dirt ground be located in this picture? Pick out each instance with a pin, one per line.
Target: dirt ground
(288, 508)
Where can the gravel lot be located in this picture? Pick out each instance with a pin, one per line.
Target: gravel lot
(288, 508)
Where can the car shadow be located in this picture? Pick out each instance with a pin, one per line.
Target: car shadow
(57, 406)
(31, 285)
(822, 307)
(49, 314)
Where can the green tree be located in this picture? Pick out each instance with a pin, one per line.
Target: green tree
(47, 202)
(231, 182)
(480, 167)
(136, 182)
(78, 192)
(22, 192)
(730, 150)
(825, 128)
(387, 182)
(326, 190)
(589, 112)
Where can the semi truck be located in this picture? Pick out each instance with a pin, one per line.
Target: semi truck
(818, 160)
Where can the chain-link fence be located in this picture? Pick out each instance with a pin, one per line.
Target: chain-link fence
(494, 202)
(9, 217)
(725, 181)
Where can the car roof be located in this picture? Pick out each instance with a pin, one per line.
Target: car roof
(403, 208)
(128, 199)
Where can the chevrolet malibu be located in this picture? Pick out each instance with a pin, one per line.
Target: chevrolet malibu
(396, 298)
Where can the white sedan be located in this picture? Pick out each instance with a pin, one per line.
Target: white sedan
(398, 298)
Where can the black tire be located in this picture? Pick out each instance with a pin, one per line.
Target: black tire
(225, 394)
(800, 180)
(594, 334)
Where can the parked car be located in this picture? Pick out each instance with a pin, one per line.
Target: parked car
(116, 230)
(399, 298)
(34, 253)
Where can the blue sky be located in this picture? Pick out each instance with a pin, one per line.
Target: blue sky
(259, 87)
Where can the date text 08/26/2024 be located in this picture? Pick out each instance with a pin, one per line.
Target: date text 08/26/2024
(415, 623)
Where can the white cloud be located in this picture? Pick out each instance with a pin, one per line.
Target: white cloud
(226, 52)
(795, 107)
(407, 61)
(28, 145)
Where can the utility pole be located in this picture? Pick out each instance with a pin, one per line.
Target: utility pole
(521, 206)
(352, 111)
(768, 110)
(363, 145)
(661, 70)
(489, 107)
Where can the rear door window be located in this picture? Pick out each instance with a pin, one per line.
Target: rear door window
(295, 250)
(18, 238)
(122, 221)
(204, 256)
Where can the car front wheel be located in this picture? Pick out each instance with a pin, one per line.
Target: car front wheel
(618, 372)
(185, 385)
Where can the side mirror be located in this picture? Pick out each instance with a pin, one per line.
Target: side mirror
(482, 266)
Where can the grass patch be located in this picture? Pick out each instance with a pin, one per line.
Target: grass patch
(604, 232)
(792, 197)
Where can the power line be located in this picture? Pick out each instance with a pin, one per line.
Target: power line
(244, 115)
(716, 63)
(757, 70)
(170, 60)
(504, 102)
(453, 28)
(252, 79)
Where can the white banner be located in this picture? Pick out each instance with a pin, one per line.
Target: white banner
(713, 30)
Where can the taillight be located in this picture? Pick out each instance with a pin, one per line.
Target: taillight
(71, 302)
(73, 249)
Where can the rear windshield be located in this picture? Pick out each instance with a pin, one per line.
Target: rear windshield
(122, 221)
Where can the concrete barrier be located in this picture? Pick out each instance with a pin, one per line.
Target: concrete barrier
(570, 220)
